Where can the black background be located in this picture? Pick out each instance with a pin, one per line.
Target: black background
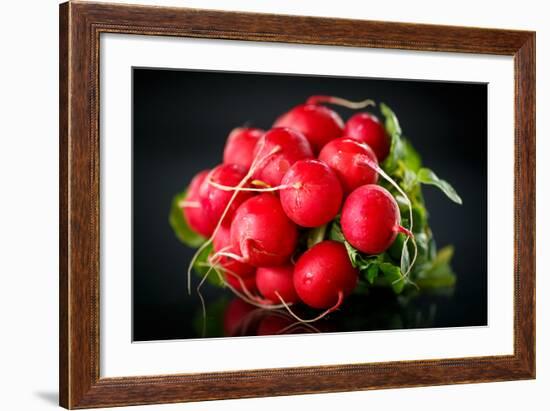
(180, 122)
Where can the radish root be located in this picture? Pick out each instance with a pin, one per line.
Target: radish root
(203, 303)
(234, 256)
(320, 316)
(266, 189)
(354, 105)
(189, 204)
(298, 325)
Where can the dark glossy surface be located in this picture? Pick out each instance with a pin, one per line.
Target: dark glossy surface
(181, 120)
(228, 316)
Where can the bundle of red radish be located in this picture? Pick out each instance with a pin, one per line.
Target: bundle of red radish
(312, 210)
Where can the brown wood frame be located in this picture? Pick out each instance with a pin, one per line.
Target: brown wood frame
(81, 24)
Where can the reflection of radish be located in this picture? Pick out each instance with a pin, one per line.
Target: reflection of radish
(234, 317)
(221, 243)
(366, 128)
(194, 213)
(239, 147)
(276, 151)
(277, 279)
(324, 276)
(262, 232)
(318, 123)
(274, 323)
(213, 200)
(311, 195)
(346, 157)
(370, 219)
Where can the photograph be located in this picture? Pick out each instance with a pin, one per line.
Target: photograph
(274, 205)
(269, 204)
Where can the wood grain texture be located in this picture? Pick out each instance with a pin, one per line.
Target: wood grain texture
(525, 203)
(63, 205)
(80, 27)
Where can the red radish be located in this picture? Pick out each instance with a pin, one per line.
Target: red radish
(366, 128)
(194, 213)
(277, 279)
(239, 147)
(234, 317)
(324, 276)
(277, 151)
(238, 282)
(311, 194)
(318, 123)
(347, 158)
(214, 200)
(370, 219)
(221, 243)
(262, 232)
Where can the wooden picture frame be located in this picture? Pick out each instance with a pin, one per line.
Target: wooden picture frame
(80, 27)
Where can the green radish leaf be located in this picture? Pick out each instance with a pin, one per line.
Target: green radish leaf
(439, 273)
(422, 242)
(372, 273)
(392, 123)
(420, 216)
(401, 201)
(409, 180)
(393, 275)
(396, 145)
(336, 232)
(447, 281)
(432, 249)
(202, 265)
(444, 255)
(427, 176)
(353, 254)
(178, 223)
(316, 235)
(444, 277)
(395, 249)
(391, 162)
(411, 158)
(361, 262)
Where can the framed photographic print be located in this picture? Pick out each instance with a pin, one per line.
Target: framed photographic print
(255, 205)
